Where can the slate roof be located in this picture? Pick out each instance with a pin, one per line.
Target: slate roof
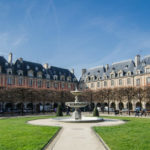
(125, 66)
(25, 66)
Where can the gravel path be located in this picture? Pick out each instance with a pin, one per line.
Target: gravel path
(76, 136)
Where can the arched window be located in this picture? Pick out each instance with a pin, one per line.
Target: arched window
(9, 71)
(20, 73)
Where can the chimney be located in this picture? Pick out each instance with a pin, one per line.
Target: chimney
(137, 60)
(72, 71)
(107, 67)
(10, 57)
(45, 66)
(21, 60)
(83, 71)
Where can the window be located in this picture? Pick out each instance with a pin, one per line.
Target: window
(55, 77)
(105, 83)
(55, 85)
(147, 70)
(112, 83)
(47, 76)
(120, 74)
(39, 74)
(138, 82)
(39, 83)
(30, 73)
(20, 81)
(62, 78)
(68, 79)
(69, 85)
(63, 85)
(9, 71)
(98, 84)
(20, 73)
(30, 82)
(120, 81)
(47, 84)
(0, 69)
(9, 80)
(148, 80)
(112, 75)
(129, 81)
(92, 85)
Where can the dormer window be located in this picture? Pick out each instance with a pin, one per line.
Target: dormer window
(36, 68)
(128, 73)
(138, 72)
(47, 76)
(112, 75)
(9, 71)
(120, 73)
(39, 74)
(147, 70)
(30, 73)
(28, 67)
(69, 78)
(55, 77)
(62, 78)
(20, 73)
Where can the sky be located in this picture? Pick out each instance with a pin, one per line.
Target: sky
(75, 33)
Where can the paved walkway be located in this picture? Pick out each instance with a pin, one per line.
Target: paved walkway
(75, 136)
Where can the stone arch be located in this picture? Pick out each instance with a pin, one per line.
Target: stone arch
(30, 106)
(55, 105)
(19, 106)
(8, 107)
(98, 105)
(113, 105)
(92, 105)
(138, 104)
(148, 106)
(121, 105)
(129, 106)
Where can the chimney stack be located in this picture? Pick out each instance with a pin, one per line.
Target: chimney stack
(137, 60)
(10, 57)
(72, 71)
(83, 71)
(45, 66)
(107, 67)
(21, 60)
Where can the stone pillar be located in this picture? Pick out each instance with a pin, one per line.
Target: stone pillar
(144, 105)
(134, 106)
(117, 105)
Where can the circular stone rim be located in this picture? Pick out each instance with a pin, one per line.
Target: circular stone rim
(66, 120)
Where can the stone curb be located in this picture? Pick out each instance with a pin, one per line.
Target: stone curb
(101, 140)
(52, 139)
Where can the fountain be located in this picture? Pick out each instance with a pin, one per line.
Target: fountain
(77, 116)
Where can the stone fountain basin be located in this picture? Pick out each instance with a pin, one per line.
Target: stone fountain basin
(76, 104)
(83, 120)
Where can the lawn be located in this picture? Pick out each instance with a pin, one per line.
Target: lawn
(134, 135)
(15, 134)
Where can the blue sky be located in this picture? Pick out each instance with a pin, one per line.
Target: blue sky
(75, 33)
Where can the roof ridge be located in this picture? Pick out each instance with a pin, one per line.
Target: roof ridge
(96, 67)
(122, 61)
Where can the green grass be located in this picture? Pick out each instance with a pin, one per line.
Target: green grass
(134, 135)
(16, 134)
